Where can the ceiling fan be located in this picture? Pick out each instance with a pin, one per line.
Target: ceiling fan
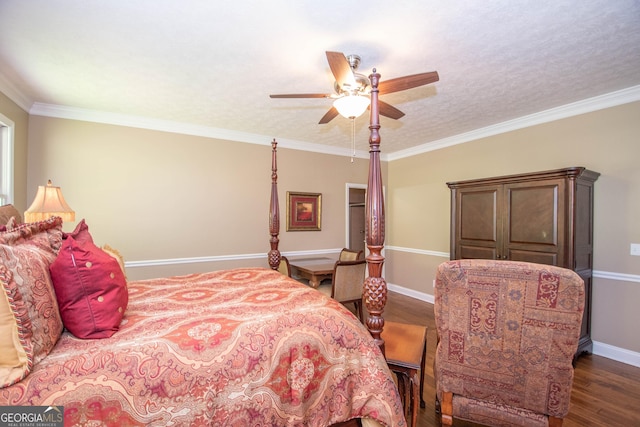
(350, 83)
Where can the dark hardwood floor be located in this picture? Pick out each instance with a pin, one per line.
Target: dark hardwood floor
(605, 392)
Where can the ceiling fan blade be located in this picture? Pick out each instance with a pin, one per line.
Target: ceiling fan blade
(407, 82)
(389, 110)
(330, 115)
(341, 69)
(301, 95)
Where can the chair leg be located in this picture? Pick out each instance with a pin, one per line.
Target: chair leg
(422, 366)
(358, 305)
(446, 408)
(555, 422)
(415, 400)
(404, 388)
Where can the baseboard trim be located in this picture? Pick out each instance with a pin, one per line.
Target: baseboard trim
(600, 274)
(411, 293)
(191, 260)
(599, 348)
(219, 258)
(621, 277)
(616, 353)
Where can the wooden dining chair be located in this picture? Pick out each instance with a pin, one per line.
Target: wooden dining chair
(284, 267)
(350, 255)
(346, 284)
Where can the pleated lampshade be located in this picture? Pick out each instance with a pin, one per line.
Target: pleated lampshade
(47, 203)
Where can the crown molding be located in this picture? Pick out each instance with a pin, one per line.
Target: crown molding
(14, 94)
(613, 99)
(74, 113)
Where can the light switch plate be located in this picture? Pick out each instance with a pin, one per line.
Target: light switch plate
(635, 249)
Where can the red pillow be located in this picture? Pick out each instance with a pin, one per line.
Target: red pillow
(80, 233)
(90, 288)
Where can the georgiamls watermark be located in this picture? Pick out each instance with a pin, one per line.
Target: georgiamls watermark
(31, 416)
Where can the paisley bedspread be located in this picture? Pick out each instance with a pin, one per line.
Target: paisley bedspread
(236, 347)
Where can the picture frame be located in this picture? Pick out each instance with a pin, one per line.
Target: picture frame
(304, 211)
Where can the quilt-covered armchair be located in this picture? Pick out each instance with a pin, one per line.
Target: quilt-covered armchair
(507, 335)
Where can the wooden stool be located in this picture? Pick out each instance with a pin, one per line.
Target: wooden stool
(406, 352)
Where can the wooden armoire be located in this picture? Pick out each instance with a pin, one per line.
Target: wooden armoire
(542, 217)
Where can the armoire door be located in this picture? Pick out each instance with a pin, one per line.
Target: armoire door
(533, 222)
(478, 227)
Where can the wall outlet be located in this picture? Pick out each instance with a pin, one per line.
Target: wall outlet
(635, 249)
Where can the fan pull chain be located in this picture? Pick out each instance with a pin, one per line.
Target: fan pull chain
(353, 138)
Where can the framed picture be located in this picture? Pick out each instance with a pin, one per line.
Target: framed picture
(303, 211)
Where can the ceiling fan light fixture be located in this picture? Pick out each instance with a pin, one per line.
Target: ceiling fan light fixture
(352, 89)
(352, 106)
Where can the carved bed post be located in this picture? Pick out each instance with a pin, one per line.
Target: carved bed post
(274, 211)
(375, 287)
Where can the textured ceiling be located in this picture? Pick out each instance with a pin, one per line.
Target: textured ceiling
(212, 64)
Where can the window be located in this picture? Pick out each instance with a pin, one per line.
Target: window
(6, 160)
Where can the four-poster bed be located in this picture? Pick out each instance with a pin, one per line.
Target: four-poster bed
(375, 287)
(238, 347)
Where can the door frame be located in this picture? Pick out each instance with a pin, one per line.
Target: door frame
(348, 212)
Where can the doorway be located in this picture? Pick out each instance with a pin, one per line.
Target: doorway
(355, 233)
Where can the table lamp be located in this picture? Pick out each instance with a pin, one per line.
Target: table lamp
(47, 203)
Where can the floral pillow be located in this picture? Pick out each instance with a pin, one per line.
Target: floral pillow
(30, 323)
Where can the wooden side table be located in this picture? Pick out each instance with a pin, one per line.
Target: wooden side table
(406, 352)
